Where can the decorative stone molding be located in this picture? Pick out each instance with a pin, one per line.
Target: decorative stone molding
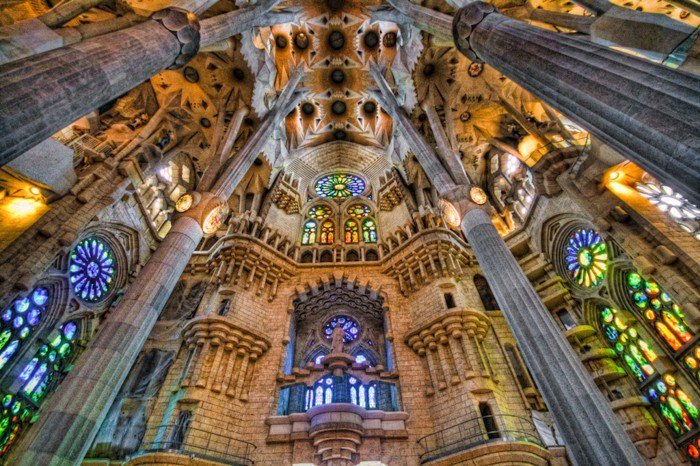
(337, 430)
(185, 27)
(286, 197)
(452, 347)
(428, 255)
(223, 355)
(245, 261)
(390, 194)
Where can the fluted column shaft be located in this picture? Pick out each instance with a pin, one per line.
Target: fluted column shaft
(73, 415)
(42, 94)
(646, 112)
(592, 433)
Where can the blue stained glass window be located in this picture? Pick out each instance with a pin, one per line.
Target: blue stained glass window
(91, 269)
(350, 325)
(19, 320)
(340, 185)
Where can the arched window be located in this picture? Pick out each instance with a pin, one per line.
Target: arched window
(352, 256)
(327, 232)
(320, 212)
(352, 232)
(674, 405)
(490, 425)
(369, 231)
(309, 234)
(371, 255)
(659, 310)
(91, 270)
(636, 352)
(484, 290)
(326, 256)
(19, 320)
(37, 377)
(359, 211)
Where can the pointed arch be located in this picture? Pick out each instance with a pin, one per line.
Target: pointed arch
(369, 230)
(308, 235)
(352, 231)
(327, 235)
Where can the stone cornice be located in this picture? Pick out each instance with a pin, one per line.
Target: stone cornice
(450, 324)
(221, 331)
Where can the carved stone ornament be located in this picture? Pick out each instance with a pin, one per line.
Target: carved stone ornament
(466, 20)
(185, 27)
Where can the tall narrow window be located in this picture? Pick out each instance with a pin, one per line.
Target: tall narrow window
(224, 307)
(352, 232)
(485, 293)
(327, 232)
(179, 433)
(369, 231)
(517, 366)
(634, 351)
(490, 425)
(309, 234)
(450, 301)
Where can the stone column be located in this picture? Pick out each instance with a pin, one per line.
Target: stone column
(86, 394)
(647, 112)
(42, 94)
(592, 433)
(89, 390)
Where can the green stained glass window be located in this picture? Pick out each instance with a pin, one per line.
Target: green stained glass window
(586, 257)
(369, 231)
(624, 339)
(320, 212)
(19, 320)
(359, 211)
(674, 405)
(340, 185)
(659, 310)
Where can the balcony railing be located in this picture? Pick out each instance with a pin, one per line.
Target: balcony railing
(173, 438)
(475, 432)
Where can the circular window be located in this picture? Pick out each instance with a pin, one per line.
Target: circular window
(350, 325)
(586, 257)
(91, 270)
(340, 185)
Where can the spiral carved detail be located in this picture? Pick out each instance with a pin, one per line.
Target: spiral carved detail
(466, 20)
(185, 27)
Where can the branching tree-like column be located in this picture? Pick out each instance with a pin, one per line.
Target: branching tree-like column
(43, 94)
(646, 112)
(583, 416)
(73, 415)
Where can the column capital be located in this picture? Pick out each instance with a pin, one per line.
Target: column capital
(465, 21)
(185, 27)
(205, 208)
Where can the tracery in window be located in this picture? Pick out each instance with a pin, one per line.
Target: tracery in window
(327, 232)
(19, 320)
(685, 214)
(674, 405)
(340, 185)
(634, 351)
(359, 211)
(352, 232)
(348, 324)
(38, 376)
(586, 257)
(91, 270)
(309, 234)
(369, 231)
(320, 212)
(659, 310)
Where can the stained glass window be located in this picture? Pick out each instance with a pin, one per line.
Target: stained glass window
(309, 234)
(659, 310)
(320, 212)
(369, 231)
(350, 325)
(359, 211)
(352, 232)
(38, 376)
(679, 208)
(91, 269)
(340, 185)
(634, 351)
(586, 257)
(674, 405)
(327, 232)
(19, 320)
(691, 362)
